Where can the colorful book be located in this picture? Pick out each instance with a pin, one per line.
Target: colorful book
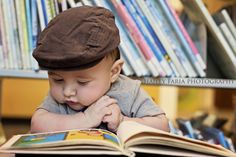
(21, 23)
(126, 68)
(164, 57)
(52, 8)
(171, 36)
(186, 47)
(215, 134)
(186, 35)
(161, 64)
(29, 24)
(162, 37)
(35, 30)
(45, 11)
(137, 36)
(130, 51)
(34, 21)
(186, 127)
(218, 46)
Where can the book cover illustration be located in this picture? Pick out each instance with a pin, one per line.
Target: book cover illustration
(64, 137)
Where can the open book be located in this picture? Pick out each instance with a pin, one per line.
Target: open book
(131, 138)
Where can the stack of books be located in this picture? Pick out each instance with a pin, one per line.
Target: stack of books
(204, 127)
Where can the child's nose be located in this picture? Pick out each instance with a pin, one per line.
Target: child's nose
(69, 91)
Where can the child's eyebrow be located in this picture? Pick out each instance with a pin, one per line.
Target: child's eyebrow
(52, 73)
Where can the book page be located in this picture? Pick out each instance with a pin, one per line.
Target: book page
(134, 128)
(139, 135)
(90, 137)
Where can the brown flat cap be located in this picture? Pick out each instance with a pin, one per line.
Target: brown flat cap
(77, 38)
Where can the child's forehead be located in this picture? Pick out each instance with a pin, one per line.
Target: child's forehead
(70, 74)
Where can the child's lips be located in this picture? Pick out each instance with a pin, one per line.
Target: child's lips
(71, 103)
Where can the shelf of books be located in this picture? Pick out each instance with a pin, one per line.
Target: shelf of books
(156, 42)
(159, 46)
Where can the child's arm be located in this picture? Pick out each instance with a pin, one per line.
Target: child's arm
(115, 118)
(158, 122)
(44, 121)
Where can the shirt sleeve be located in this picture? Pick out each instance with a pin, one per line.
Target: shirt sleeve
(144, 105)
(49, 104)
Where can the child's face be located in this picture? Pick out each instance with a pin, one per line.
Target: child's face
(82, 87)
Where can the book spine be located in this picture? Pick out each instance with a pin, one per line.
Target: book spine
(171, 37)
(44, 9)
(34, 16)
(35, 26)
(48, 8)
(4, 38)
(15, 36)
(56, 7)
(29, 23)
(157, 42)
(129, 49)
(52, 8)
(228, 36)
(187, 37)
(160, 64)
(229, 22)
(162, 37)
(10, 35)
(29, 29)
(183, 41)
(138, 38)
(1, 47)
(41, 15)
(20, 32)
(126, 68)
(229, 58)
(26, 47)
(133, 49)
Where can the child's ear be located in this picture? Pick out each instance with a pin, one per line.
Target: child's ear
(116, 69)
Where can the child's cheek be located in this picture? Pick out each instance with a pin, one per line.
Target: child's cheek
(57, 94)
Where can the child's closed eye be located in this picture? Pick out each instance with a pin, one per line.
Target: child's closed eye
(58, 80)
(82, 82)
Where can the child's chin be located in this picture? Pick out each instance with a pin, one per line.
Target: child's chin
(76, 108)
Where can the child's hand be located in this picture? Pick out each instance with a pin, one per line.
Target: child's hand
(114, 119)
(95, 113)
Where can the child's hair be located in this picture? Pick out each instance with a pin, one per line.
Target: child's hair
(115, 55)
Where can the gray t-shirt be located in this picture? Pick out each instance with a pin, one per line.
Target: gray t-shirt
(132, 100)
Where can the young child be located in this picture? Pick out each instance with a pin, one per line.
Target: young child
(79, 48)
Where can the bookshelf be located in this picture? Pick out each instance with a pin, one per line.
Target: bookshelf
(177, 82)
(165, 90)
